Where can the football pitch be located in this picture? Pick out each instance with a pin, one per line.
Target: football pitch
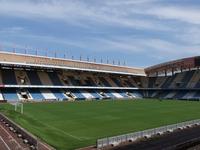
(71, 125)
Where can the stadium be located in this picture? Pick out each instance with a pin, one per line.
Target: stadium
(37, 78)
(70, 104)
(99, 75)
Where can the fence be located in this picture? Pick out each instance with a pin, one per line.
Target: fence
(114, 141)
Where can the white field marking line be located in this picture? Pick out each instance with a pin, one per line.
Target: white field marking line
(68, 134)
(75, 137)
(11, 136)
(5, 143)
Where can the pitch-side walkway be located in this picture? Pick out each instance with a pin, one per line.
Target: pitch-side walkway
(10, 140)
(171, 141)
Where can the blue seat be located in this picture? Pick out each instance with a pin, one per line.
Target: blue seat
(36, 94)
(109, 93)
(123, 93)
(179, 95)
(78, 94)
(138, 94)
(10, 94)
(95, 94)
(58, 94)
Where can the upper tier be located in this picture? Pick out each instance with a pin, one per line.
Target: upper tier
(26, 60)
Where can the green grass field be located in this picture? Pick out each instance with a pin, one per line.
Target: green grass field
(70, 125)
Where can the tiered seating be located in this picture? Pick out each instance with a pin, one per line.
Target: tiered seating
(47, 94)
(74, 81)
(109, 94)
(123, 93)
(162, 94)
(104, 81)
(78, 94)
(179, 94)
(34, 78)
(137, 94)
(89, 82)
(187, 77)
(197, 95)
(189, 95)
(57, 85)
(36, 94)
(152, 81)
(197, 85)
(194, 79)
(160, 81)
(59, 94)
(95, 94)
(54, 78)
(177, 81)
(168, 81)
(8, 77)
(44, 78)
(10, 94)
(141, 82)
(129, 83)
(117, 82)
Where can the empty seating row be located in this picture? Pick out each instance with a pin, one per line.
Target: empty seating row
(35, 94)
(187, 79)
(174, 94)
(53, 78)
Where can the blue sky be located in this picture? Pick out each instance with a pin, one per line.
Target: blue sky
(141, 32)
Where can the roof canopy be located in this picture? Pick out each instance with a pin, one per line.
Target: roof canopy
(176, 65)
(25, 60)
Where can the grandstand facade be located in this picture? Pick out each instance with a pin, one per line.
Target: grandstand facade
(37, 78)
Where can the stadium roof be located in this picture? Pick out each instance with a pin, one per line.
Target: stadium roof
(34, 61)
(175, 65)
(43, 62)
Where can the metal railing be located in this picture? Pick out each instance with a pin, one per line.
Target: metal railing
(116, 140)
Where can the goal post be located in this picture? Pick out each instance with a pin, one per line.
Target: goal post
(20, 106)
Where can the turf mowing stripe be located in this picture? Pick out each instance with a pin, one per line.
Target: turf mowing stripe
(75, 137)
(68, 134)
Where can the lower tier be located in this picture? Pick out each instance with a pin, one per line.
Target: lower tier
(36, 94)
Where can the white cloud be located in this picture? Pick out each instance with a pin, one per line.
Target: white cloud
(173, 30)
(129, 2)
(185, 14)
(77, 12)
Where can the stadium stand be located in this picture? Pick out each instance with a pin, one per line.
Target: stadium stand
(38, 78)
